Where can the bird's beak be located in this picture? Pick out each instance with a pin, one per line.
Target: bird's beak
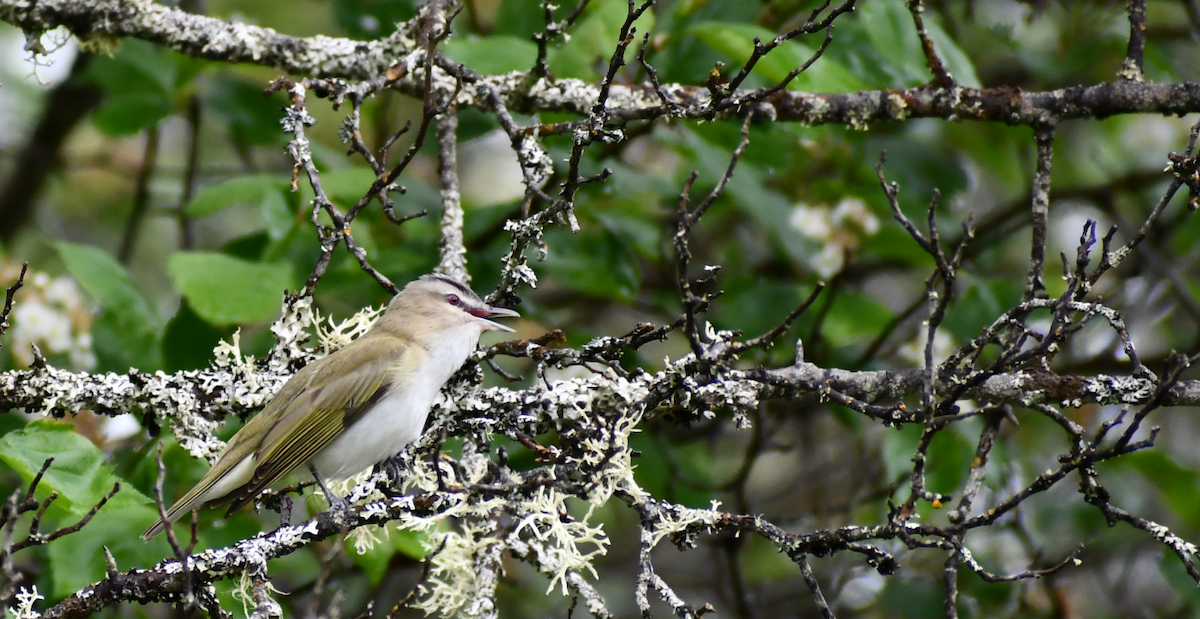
(495, 312)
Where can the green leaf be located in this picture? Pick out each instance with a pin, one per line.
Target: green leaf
(130, 113)
(11, 423)
(654, 473)
(894, 245)
(412, 544)
(683, 57)
(634, 233)
(854, 319)
(189, 341)
(249, 247)
(375, 561)
(914, 598)
(751, 194)
(592, 40)
(893, 49)
(483, 220)
(736, 40)
(897, 452)
(77, 561)
(252, 118)
(949, 457)
(105, 279)
(278, 216)
(154, 62)
(956, 60)
(139, 82)
(763, 563)
(521, 18)
(224, 290)
(78, 474)
(1171, 479)
(121, 341)
(894, 43)
(980, 301)
(755, 305)
(493, 55)
(346, 186)
(596, 264)
(1174, 573)
(249, 189)
(371, 19)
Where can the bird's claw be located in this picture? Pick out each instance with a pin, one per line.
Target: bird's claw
(335, 502)
(338, 503)
(395, 474)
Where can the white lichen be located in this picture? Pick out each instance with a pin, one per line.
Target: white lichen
(23, 609)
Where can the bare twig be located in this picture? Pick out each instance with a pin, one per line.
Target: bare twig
(182, 556)
(1131, 67)
(941, 75)
(141, 197)
(9, 293)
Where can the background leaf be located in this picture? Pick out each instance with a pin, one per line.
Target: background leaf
(78, 474)
(139, 82)
(224, 290)
(737, 41)
(128, 330)
(105, 279)
(250, 189)
(493, 55)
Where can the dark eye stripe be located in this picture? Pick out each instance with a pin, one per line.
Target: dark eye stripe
(465, 291)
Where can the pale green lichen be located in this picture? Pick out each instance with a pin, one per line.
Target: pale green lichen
(334, 335)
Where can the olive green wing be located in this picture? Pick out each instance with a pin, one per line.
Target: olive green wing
(352, 382)
(241, 446)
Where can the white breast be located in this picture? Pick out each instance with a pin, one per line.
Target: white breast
(398, 418)
(393, 422)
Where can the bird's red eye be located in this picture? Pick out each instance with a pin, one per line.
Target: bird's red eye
(452, 299)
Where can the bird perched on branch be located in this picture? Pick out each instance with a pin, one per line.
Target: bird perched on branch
(355, 407)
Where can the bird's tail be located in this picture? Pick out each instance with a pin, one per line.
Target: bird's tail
(190, 501)
(219, 485)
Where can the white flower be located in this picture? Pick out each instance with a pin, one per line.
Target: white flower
(81, 353)
(63, 291)
(35, 323)
(50, 313)
(830, 261)
(854, 211)
(812, 222)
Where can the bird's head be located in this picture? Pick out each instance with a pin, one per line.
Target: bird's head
(436, 304)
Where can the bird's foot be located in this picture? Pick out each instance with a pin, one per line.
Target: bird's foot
(394, 469)
(335, 502)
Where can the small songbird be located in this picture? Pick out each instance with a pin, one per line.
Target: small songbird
(354, 407)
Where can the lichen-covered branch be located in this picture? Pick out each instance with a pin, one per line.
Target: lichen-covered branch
(206, 396)
(330, 57)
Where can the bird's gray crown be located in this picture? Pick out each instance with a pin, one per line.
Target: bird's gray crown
(459, 286)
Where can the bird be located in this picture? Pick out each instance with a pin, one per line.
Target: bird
(356, 406)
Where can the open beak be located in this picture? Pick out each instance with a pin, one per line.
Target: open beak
(494, 312)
